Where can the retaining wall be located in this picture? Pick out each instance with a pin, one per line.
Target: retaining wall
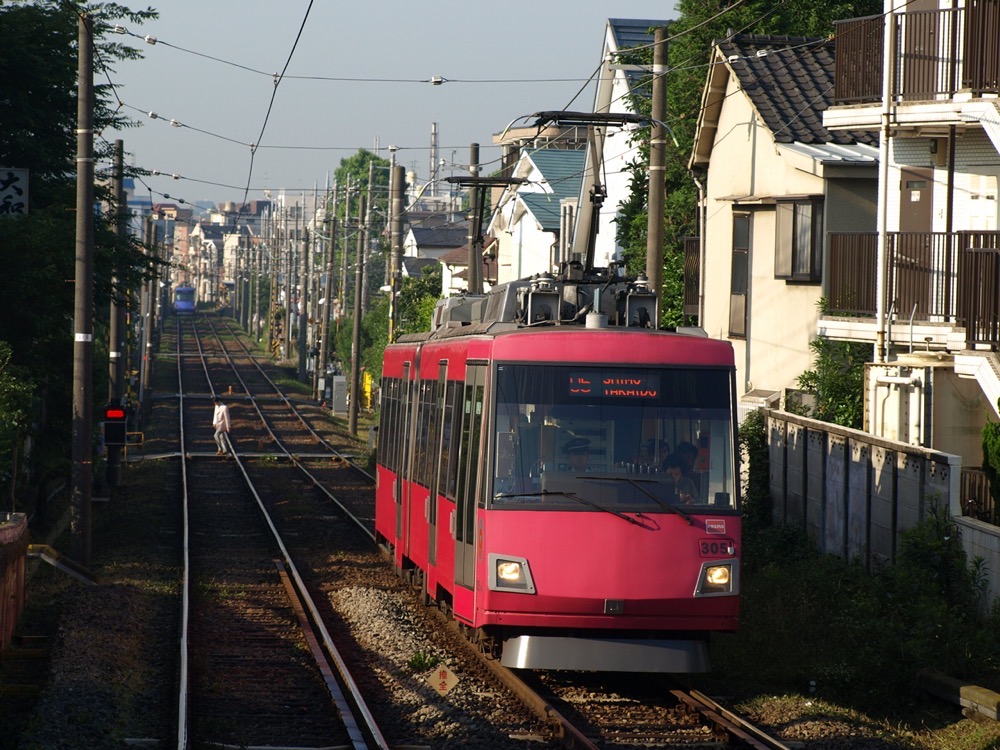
(13, 555)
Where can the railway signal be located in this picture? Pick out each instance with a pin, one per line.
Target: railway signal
(115, 425)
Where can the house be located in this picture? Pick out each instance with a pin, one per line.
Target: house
(924, 287)
(533, 220)
(212, 255)
(615, 81)
(422, 241)
(455, 269)
(775, 184)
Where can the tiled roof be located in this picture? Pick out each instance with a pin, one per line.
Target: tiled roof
(457, 257)
(415, 266)
(563, 173)
(631, 32)
(453, 236)
(790, 81)
(634, 32)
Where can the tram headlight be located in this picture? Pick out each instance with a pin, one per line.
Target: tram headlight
(718, 575)
(719, 579)
(510, 574)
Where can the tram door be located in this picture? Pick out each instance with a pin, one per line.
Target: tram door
(406, 457)
(473, 410)
(442, 412)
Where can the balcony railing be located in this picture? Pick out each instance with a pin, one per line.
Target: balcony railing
(930, 276)
(938, 54)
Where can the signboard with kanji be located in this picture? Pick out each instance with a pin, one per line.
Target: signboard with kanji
(443, 679)
(13, 191)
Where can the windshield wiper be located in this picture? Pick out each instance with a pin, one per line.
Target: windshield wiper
(571, 496)
(666, 506)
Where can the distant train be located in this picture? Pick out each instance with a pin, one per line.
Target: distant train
(531, 478)
(184, 303)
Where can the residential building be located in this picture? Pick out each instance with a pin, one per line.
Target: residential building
(533, 221)
(774, 183)
(421, 241)
(611, 178)
(924, 287)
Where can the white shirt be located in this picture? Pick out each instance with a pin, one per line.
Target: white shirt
(220, 420)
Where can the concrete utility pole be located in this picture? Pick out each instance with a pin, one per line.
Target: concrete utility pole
(657, 166)
(397, 188)
(303, 312)
(475, 274)
(325, 348)
(83, 304)
(344, 244)
(145, 318)
(116, 327)
(352, 414)
(289, 285)
(368, 227)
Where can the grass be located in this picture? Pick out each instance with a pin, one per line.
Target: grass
(829, 641)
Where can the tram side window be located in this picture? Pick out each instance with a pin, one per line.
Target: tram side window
(452, 431)
(433, 428)
(424, 448)
(463, 452)
(420, 435)
(386, 434)
(394, 437)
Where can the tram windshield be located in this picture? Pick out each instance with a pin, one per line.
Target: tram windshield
(643, 439)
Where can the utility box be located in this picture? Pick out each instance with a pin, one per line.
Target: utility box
(338, 394)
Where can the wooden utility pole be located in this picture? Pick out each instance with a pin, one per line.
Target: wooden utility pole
(83, 306)
(657, 166)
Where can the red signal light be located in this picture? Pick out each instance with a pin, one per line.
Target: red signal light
(114, 412)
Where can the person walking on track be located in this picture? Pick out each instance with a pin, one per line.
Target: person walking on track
(220, 421)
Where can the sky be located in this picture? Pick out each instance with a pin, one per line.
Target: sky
(355, 75)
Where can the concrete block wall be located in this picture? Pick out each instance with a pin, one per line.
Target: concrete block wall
(852, 492)
(855, 494)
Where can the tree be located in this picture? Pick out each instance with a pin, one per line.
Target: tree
(37, 250)
(16, 391)
(691, 41)
(416, 301)
(836, 382)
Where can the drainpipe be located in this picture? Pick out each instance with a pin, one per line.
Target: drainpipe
(889, 45)
(702, 227)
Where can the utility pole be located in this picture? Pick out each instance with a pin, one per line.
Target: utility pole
(657, 166)
(325, 347)
(352, 419)
(368, 226)
(475, 210)
(116, 325)
(344, 245)
(144, 322)
(289, 267)
(303, 313)
(397, 186)
(83, 305)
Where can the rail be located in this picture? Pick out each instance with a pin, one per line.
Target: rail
(358, 719)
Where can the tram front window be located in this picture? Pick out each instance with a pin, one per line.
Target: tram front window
(631, 438)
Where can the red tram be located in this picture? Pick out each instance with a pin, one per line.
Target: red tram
(531, 477)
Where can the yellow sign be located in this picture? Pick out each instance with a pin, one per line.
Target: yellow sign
(443, 679)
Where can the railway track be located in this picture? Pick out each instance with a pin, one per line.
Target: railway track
(323, 508)
(257, 664)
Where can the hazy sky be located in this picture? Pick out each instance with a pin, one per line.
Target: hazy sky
(357, 76)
